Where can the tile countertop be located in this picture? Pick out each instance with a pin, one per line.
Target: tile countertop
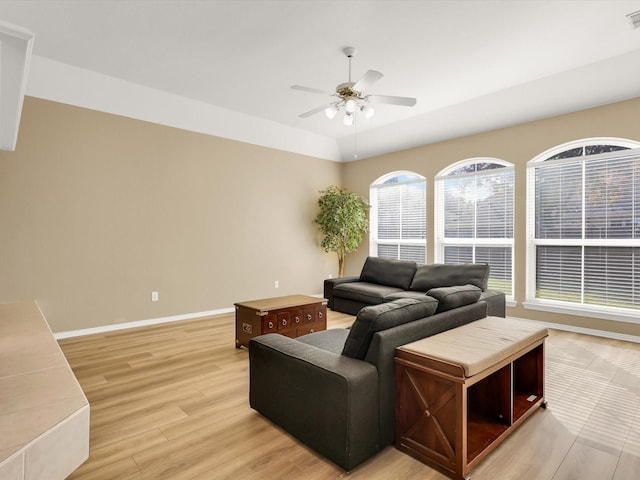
(41, 402)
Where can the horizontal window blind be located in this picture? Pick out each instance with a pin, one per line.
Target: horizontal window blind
(587, 227)
(389, 213)
(398, 218)
(458, 254)
(559, 202)
(474, 218)
(612, 198)
(500, 261)
(559, 273)
(621, 267)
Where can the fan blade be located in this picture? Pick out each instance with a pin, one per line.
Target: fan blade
(309, 89)
(367, 80)
(314, 111)
(404, 101)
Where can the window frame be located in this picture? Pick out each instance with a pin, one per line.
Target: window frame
(379, 184)
(605, 312)
(441, 241)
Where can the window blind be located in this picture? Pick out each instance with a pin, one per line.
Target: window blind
(474, 218)
(398, 218)
(587, 229)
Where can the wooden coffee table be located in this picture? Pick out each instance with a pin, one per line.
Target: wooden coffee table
(293, 315)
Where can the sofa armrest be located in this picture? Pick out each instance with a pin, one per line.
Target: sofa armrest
(327, 401)
(329, 283)
(496, 303)
(382, 353)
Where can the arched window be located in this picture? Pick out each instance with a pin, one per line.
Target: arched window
(474, 217)
(398, 217)
(583, 228)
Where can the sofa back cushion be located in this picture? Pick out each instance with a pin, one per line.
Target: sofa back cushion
(375, 318)
(450, 275)
(386, 271)
(454, 297)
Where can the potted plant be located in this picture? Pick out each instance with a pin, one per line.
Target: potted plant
(343, 221)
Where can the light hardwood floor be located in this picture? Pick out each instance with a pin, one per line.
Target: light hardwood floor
(171, 402)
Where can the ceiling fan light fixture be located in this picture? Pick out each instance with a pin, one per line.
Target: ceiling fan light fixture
(352, 97)
(368, 111)
(350, 104)
(330, 111)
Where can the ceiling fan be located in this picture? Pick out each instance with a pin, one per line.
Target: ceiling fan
(351, 96)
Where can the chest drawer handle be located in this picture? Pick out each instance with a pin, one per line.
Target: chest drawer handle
(297, 319)
(309, 317)
(284, 322)
(270, 324)
(319, 314)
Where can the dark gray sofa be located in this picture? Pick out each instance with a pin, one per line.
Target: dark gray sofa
(335, 390)
(382, 280)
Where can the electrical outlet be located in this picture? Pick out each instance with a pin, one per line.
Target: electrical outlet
(154, 296)
(277, 284)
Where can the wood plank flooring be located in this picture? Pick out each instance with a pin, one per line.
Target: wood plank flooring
(171, 402)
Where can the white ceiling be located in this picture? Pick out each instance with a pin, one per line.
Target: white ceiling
(473, 65)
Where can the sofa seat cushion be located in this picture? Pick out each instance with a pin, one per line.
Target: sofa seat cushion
(450, 275)
(454, 297)
(365, 292)
(375, 318)
(406, 294)
(331, 340)
(385, 271)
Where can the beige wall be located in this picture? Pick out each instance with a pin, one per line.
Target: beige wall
(97, 210)
(517, 145)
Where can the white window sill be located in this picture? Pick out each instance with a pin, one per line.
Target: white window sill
(604, 313)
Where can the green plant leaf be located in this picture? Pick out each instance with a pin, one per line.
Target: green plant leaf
(343, 220)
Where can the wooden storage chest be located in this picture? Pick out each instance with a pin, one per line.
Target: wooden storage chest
(292, 315)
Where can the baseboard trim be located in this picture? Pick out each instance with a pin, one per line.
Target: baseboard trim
(191, 316)
(139, 323)
(144, 323)
(586, 331)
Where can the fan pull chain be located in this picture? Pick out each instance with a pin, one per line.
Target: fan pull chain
(355, 138)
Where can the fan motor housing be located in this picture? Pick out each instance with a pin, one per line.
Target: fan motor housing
(345, 90)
